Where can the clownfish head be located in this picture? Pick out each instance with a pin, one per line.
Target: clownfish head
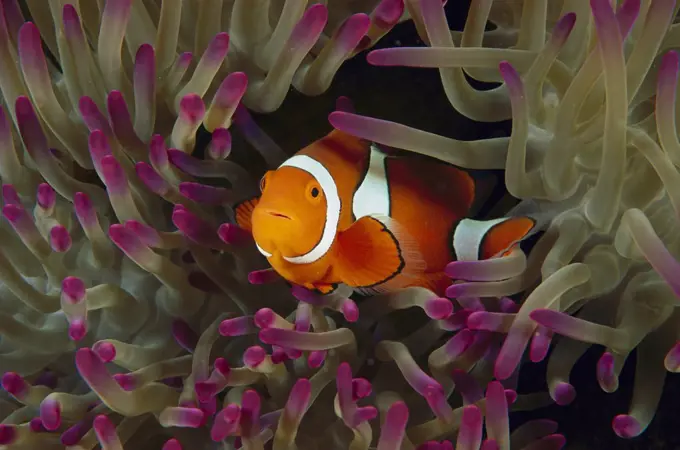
(297, 216)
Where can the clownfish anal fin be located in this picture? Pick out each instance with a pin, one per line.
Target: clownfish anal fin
(244, 213)
(376, 255)
(505, 235)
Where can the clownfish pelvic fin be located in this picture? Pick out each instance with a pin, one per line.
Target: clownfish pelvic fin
(324, 289)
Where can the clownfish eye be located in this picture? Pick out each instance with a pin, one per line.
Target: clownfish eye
(313, 192)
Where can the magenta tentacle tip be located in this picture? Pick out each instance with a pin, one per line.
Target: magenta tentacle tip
(70, 15)
(254, 356)
(236, 82)
(564, 393)
(540, 344)
(459, 343)
(158, 152)
(172, 444)
(438, 308)
(315, 16)
(268, 335)
(50, 414)
(36, 425)
(218, 47)
(237, 326)
(192, 108)
(553, 442)
(264, 318)
(316, 359)
(14, 383)
(398, 415)
(14, 213)
(361, 388)
(263, 276)
(512, 79)
(388, 13)
(350, 310)
(668, 71)
(205, 390)
(564, 26)
(60, 239)
(232, 234)
(75, 433)
(385, 57)
(145, 53)
(299, 396)
(490, 444)
(184, 335)
(626, 426)
(356, 26)
(8, 434)
(77, 329)
(126, 381)
(222, 366)
(10, 195)
(47, 196)
(29, 41)
(672, 360)
(104, 350)
(114, 176)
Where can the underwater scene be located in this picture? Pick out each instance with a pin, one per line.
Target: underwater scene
(339, 225)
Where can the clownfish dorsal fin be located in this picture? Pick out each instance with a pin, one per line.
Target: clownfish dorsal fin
(376, 255)
(346, 139)
(244, 213)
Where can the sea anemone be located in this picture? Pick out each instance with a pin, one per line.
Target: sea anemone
(133, 312)
(594, 151)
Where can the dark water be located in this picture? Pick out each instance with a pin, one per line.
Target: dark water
(415, 97)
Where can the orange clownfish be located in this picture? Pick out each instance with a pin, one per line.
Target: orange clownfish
(346, 211)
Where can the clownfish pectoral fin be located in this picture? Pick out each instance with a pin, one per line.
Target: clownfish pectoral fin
(244, 213)
(376, 255)
(479, 240)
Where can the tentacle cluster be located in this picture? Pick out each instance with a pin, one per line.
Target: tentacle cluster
(592, 93)
(134, 314)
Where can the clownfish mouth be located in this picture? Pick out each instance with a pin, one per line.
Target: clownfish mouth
(278, 214)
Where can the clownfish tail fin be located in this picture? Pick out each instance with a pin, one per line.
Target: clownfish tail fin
(483, 239)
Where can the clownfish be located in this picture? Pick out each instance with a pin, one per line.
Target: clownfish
(347, 211)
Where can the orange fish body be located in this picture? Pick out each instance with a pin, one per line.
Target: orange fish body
(343, 210)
